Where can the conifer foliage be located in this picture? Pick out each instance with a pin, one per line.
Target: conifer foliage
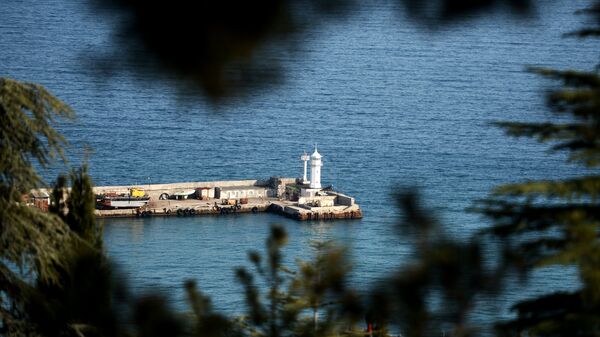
(32, 243)
(76, 208)
(54, 277)
(557, 222)
(318, 286)
(56, 281)
(538, 223)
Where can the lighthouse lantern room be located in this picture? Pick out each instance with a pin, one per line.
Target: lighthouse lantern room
(315, 169)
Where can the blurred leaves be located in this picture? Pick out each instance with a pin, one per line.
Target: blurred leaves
(594, 11)
(81, 303)
(556, 314)
(579, 98)
(32, 243)
(556, 222)
(28, 113)
(81, 204)
(219, 46)
(568, 189)
(435, 12)
(216, 45)
(436, 292)
(205, 321)
(317, 286)
(55, 280)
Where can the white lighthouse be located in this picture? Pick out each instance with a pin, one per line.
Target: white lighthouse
(305, 158)
(315, 169)
(314, 197)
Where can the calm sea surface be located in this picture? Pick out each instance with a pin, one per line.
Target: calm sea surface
(389, 104)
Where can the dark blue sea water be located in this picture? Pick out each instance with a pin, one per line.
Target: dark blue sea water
(389, 104)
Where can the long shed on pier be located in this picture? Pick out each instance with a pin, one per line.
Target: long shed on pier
(236, 192)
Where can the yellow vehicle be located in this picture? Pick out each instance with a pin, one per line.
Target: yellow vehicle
(137, 192)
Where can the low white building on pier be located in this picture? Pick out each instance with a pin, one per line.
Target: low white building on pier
(236, 192)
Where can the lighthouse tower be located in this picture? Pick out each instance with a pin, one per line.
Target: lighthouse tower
(315, 169)
(305, 158)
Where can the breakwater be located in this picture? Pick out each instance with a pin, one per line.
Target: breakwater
(278, 195)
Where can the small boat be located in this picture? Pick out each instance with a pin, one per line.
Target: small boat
(124, 201)
(135, 199)
(182, 195)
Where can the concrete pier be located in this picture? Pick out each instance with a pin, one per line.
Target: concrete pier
(324, 213)
(274, 195)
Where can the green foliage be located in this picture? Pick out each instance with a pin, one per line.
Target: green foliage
(556, 222)
(593, 31)
(55, 280)
(82, 303)
(58, 197)
(27, 115)
(317, 286)
(81, 204)
(579, 99)
(539, 224)
(437, 291)
(32, 243)
(275, 318)
(205, 322)
(30, 239)
(314, 280)
(153, 317)
(219, 47)
(567, 189)
(75, 206)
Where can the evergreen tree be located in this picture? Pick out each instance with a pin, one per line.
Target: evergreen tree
(276, 318)
(539, 223)
(81, 204)
(435, 293)
(82, 302)
(32, 243)
(54, 278)
(318, 285)
(557, 222)
(204, 321)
